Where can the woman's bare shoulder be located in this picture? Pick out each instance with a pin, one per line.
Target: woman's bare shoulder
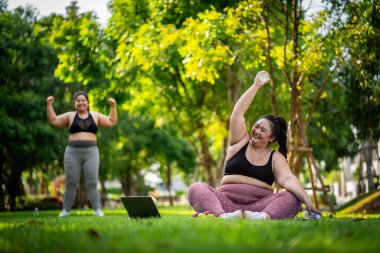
(279, 161)
(69, 114)
(233, 149)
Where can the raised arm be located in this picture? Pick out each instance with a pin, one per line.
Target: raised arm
(238, 128)
(111, 119)
(287, 180)
(54, 120)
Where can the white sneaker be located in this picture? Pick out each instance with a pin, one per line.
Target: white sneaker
(254, 215)
(234, 215)
(64, 213)
(99, 213)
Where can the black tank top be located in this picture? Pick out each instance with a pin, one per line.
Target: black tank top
(239, 165)
(83, 125)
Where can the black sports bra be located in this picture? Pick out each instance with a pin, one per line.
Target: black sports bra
(239, 165)
(83, 125)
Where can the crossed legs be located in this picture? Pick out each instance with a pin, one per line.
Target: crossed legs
(233, 197)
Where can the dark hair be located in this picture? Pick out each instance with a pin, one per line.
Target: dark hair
(279, 131)
(78, 93)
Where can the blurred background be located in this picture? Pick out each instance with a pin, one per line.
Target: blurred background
(176, 69)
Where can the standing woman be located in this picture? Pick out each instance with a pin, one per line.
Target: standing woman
(251, 168)
(82, 153)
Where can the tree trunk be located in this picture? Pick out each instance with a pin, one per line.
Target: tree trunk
(169, 183)
(43, 185)
(137, 187)
(81, 196)
(368, 158)
(15, 188)
(221, 161)
(125, 181)
(2, 184)
(294, 141)
(361, 185)
(103, 195)
(234, 90)
(30, 183)
(207, 159)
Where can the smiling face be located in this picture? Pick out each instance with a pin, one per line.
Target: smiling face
(81, 103)
(261, 133)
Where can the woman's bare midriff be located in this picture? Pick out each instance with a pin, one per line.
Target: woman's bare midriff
(82, 136)
(239, 179)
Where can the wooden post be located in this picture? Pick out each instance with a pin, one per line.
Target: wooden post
(311, 161)
(312, 180)
(322, 184)
(307, 150)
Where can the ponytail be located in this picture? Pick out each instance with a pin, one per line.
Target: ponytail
(282, 136)
(279, 131)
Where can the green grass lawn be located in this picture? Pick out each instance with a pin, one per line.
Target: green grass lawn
(176, 231)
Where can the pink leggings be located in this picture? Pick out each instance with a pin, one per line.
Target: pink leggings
(232, 197)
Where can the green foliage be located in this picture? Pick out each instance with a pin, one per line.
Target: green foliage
(78, 41)
(27, 65)
(324, 127)
(360, 73)
(170, 148)
(203, 55)
(134, 145)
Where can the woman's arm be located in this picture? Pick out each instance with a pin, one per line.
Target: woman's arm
(287, 180)
(54, 120)
(238, 128)
(111, 119)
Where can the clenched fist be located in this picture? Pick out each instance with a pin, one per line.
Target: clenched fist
(50, 100)
(112, 101)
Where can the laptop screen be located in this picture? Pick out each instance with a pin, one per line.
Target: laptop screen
(140, 206)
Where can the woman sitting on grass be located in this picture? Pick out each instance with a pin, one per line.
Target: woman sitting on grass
(251, 169)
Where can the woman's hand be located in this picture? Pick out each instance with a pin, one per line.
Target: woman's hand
(112, 102)
(311, 208)
(261, 78)
(111, 119)
(50, 100)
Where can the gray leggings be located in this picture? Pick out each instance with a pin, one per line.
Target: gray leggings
(75, 160)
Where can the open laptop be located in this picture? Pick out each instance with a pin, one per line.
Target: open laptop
(140, 207)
